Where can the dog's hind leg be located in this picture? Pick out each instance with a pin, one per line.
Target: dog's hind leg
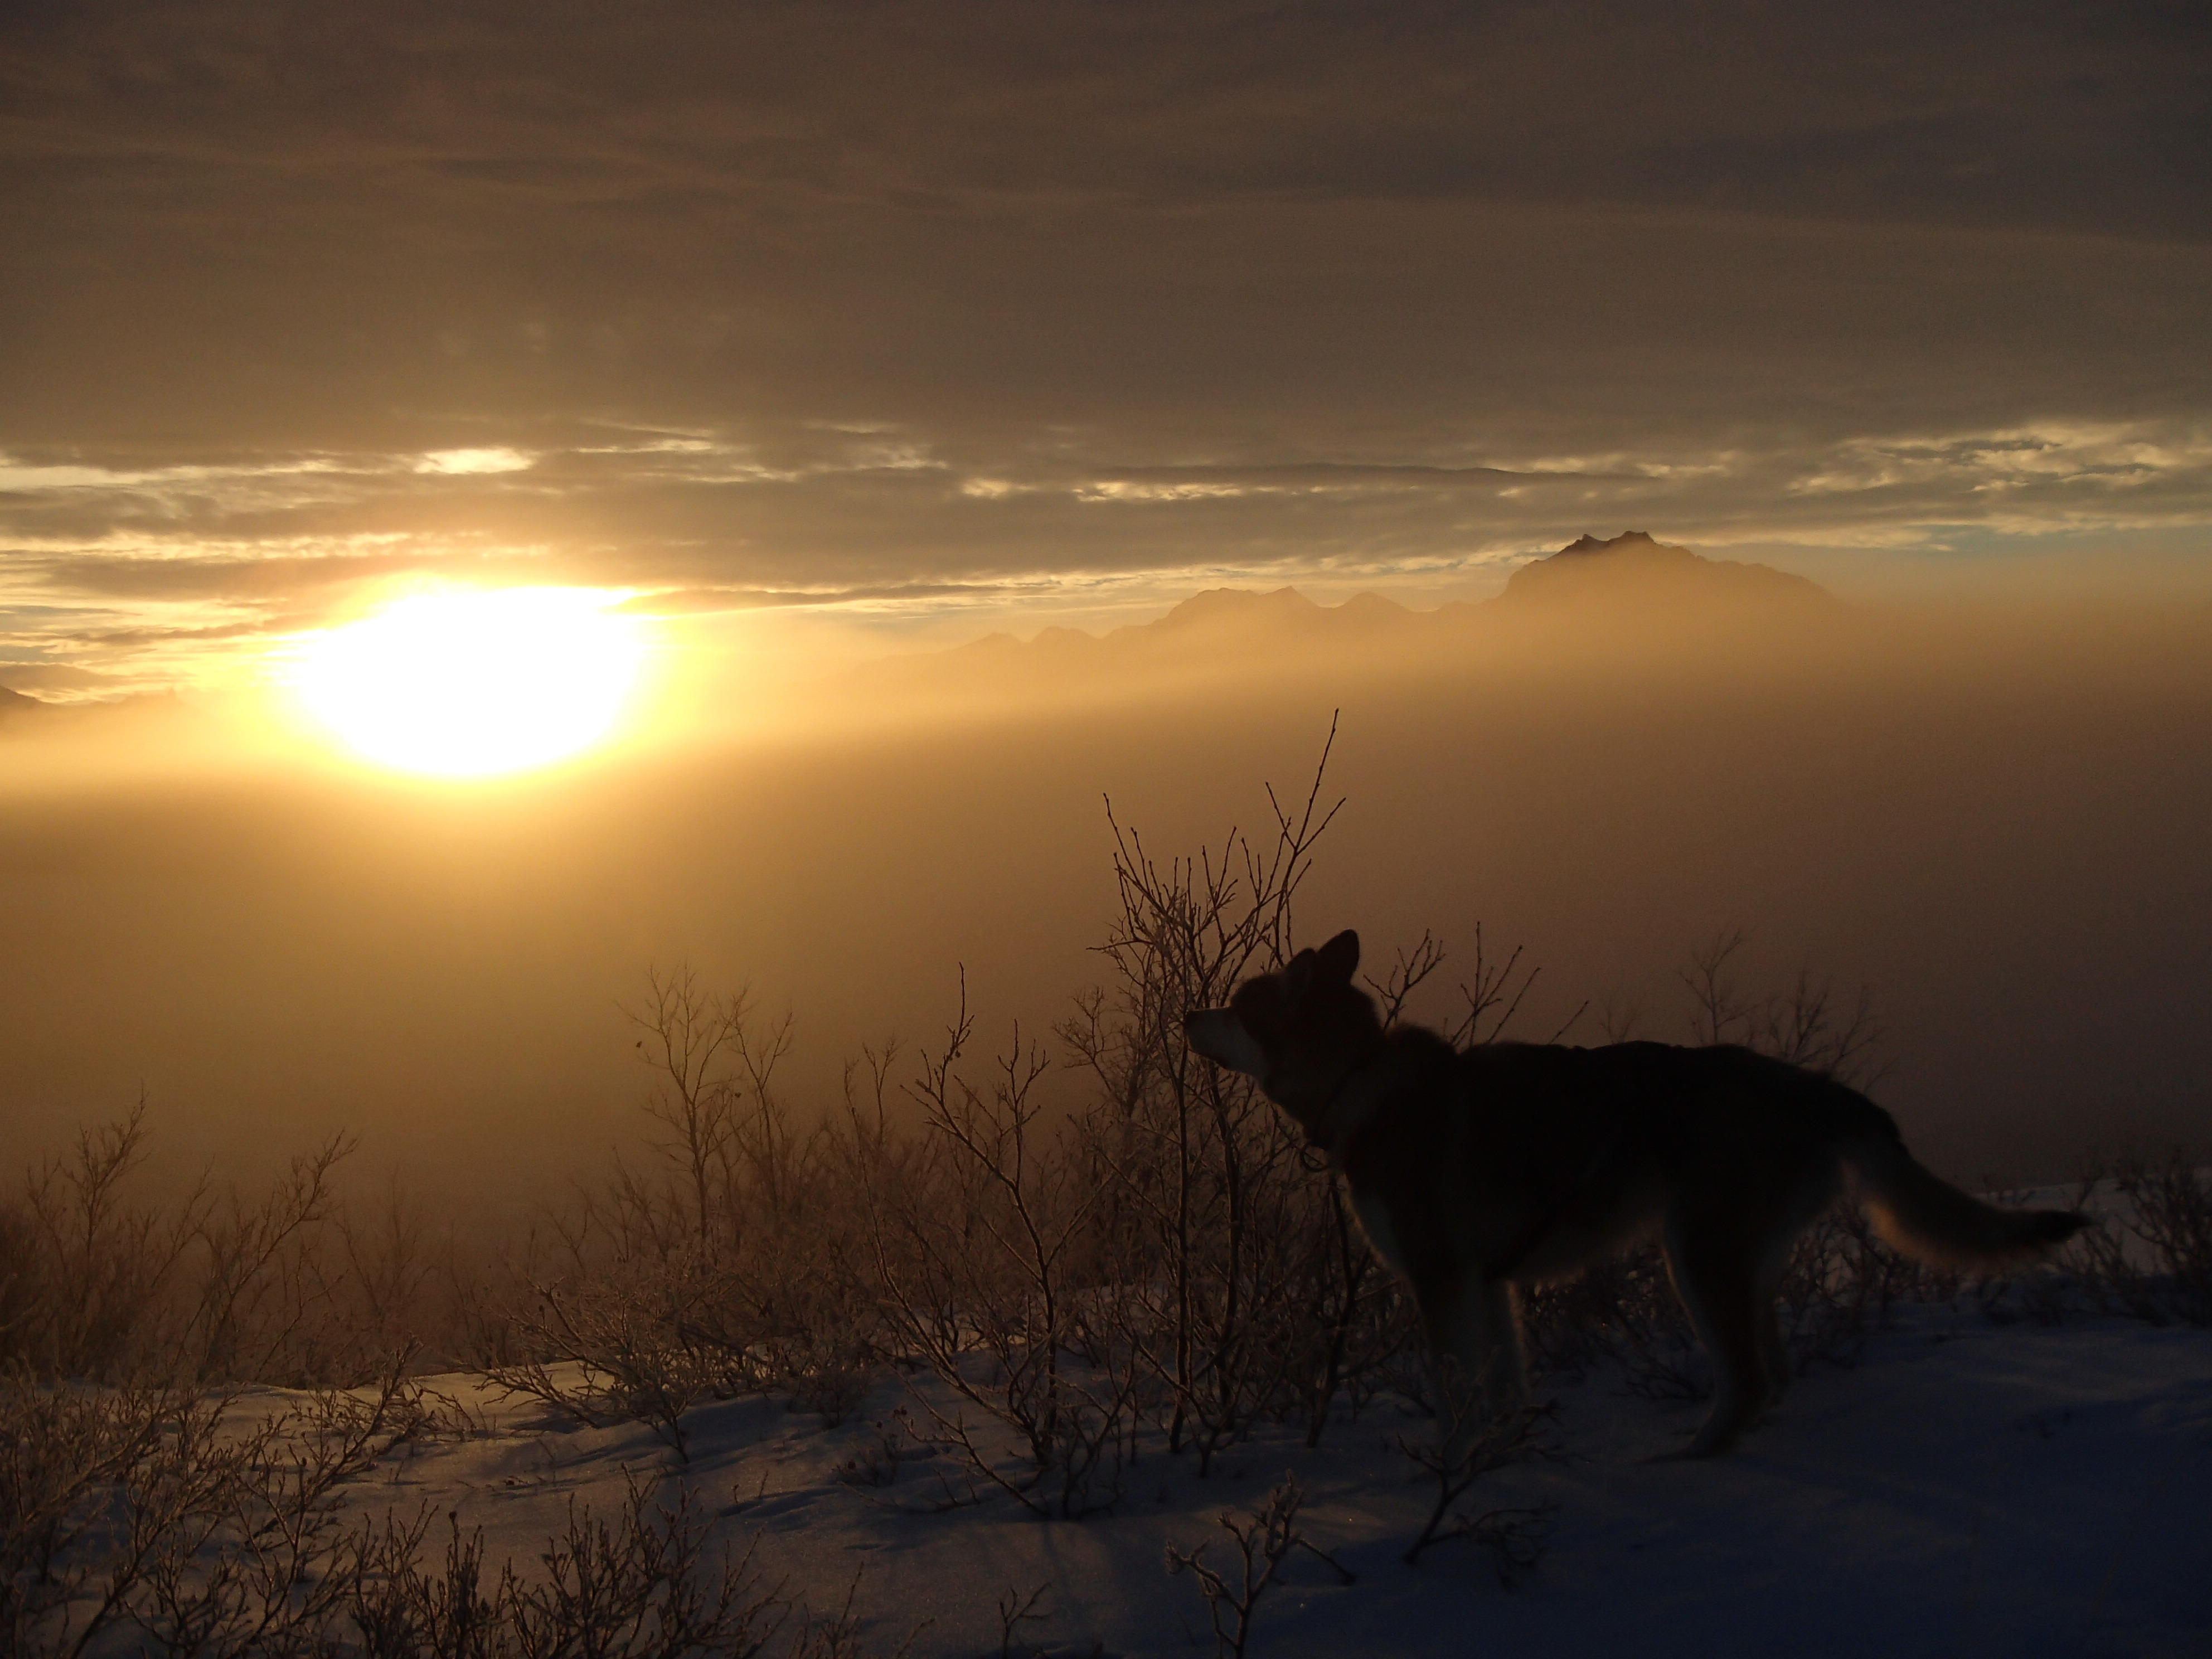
(1773, 1348)
(1474, 1355)
(1730, 1303)
(1806, 1193)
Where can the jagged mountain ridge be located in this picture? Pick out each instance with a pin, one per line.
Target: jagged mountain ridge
(1616, 578)
(1632, 566)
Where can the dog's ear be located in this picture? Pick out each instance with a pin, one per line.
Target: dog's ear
(1297, 973)
(1338, 959)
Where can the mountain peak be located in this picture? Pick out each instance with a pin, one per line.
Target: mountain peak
(1634, 566)
(1216, 605)
(1587, 543)
(1372, 609)
(1629, 544)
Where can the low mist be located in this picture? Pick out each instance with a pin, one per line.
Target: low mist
(1995, 819)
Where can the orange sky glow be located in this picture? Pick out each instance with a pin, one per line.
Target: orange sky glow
(609, 485)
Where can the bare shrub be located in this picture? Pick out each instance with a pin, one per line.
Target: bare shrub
(721, 1269)
(977, 1227)
(63, 1452)
(400, 1610)
(158, 1517)
(101, 1282)
(1015, 1610)
(837, 1635)
(878, 1464)
(386, 1274)
(93, 1279)
(1513, 1536)
(96, 1283)
(605, 1346)
(1805, 1025)
(153, 1508)
(1263, 1538)
(1843, 1283)
(1239, 1297)
(1359, 1323)
(2152, 1259)
(1623, 1311)
(257, 1293)
(1173, 1255)
(1493, 996)
(638, 1583)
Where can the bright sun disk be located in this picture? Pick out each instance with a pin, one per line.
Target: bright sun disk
(471, 684)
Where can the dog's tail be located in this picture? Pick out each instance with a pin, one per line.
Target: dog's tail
(1928, 1218)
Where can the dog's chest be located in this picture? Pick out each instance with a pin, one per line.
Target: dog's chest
(1375, 1221)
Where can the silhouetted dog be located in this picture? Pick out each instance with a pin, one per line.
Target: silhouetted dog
(1513, 1163)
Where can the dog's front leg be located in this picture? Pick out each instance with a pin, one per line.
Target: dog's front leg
(1474, 1356)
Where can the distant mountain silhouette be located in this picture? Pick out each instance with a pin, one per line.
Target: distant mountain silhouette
(1633, 568)
(1632, 582)
(1280, 609)
(1629, 571)
(21, 712)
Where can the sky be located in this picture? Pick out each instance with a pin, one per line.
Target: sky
(794, 335)
(927, 319)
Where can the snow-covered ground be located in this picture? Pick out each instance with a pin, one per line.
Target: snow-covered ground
(1969, 1488)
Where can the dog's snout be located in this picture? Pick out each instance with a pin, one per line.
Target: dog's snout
(1221, 1037)
(1200, 1025)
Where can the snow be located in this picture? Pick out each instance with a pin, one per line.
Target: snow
(1968, 1488)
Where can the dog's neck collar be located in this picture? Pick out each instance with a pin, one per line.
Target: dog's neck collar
(1350, 1107)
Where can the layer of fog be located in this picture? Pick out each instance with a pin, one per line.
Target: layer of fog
(1995, 820)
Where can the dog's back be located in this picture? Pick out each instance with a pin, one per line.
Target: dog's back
(1690, 1129)
(1533, 1160)
(1514, 1163)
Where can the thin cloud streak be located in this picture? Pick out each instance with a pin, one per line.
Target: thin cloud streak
(274, 556)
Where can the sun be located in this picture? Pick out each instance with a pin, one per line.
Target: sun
(476, 684)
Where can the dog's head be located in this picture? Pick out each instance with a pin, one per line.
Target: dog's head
(1299, 1031)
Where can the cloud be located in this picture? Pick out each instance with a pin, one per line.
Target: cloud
(983, 298)
(705, 601)
(2108, 457)
(707, 527)
(465, 461)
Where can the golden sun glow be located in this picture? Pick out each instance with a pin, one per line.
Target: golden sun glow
(473, 684)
